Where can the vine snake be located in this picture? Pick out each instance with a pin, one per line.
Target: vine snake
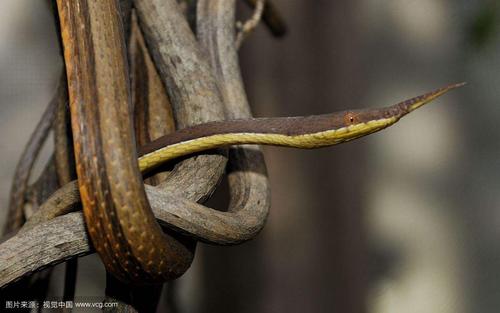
(309, 132)
(117, 214)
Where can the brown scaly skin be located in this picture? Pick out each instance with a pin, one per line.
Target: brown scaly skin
(118, 217)
(294, 126)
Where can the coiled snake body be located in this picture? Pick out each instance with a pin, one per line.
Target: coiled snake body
(117, 214)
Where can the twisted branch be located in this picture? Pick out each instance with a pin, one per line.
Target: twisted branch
(249, 188)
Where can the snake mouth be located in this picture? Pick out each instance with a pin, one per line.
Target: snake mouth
(359, 130)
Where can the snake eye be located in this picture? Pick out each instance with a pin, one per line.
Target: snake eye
(350, 118)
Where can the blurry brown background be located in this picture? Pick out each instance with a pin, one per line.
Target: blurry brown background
(406, 220)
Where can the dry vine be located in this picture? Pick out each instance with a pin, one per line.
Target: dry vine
(199, 89)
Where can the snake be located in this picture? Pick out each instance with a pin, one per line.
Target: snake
(303, 132)
(119, 220)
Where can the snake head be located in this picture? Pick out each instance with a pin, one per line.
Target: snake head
(401, 109)
(359, 123)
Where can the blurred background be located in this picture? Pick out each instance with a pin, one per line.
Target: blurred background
(405, 220)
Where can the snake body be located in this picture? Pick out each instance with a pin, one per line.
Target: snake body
(119, 220)
(299, 132)
(117, 213)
